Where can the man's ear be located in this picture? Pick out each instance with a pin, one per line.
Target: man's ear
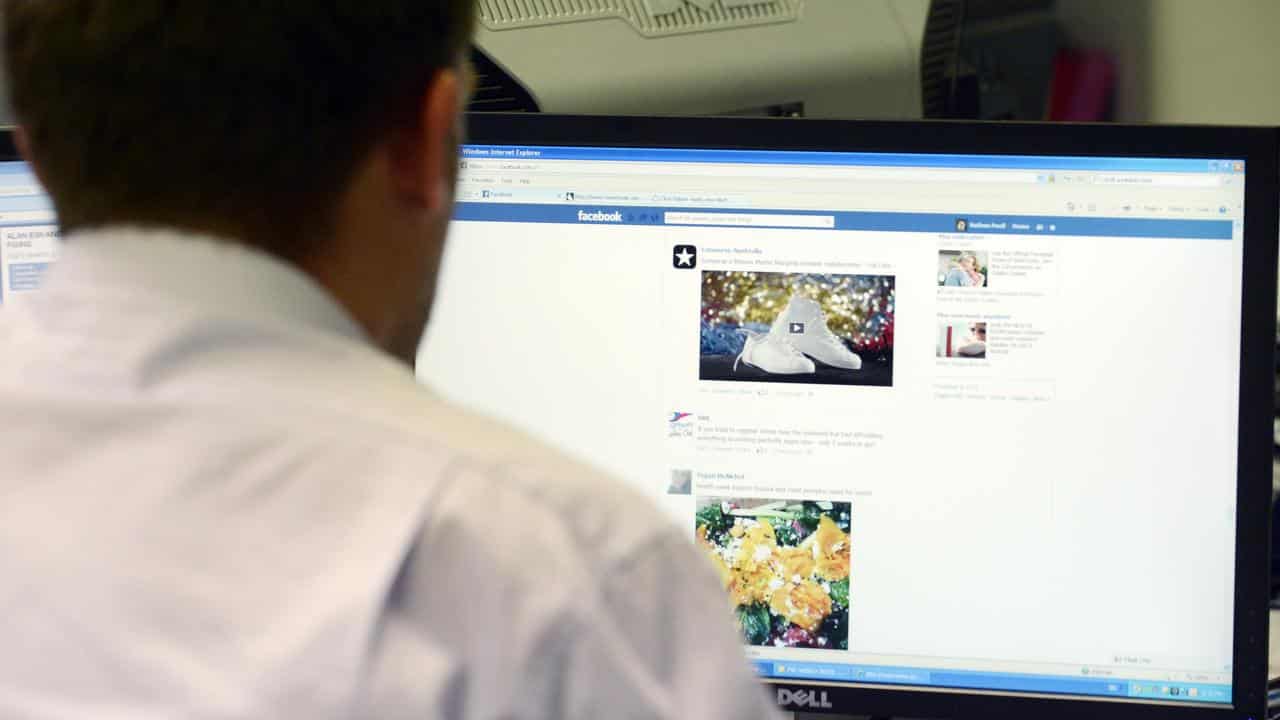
(425, 156)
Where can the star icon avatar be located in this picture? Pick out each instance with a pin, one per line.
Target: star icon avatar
(685, 257)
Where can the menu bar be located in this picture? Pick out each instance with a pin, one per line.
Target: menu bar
(1043, 225)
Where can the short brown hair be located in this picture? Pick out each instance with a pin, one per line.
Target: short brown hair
(236, 114)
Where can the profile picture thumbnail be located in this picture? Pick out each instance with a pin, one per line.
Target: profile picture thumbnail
(962, 340)
(962, 268)
(681, 482)
(797, 328)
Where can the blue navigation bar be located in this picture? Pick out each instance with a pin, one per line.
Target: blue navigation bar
(790, 157)
(15, 167)
(850, 221)
(25, 203)
(999, 682)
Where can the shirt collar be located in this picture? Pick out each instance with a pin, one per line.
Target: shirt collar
(199, 270)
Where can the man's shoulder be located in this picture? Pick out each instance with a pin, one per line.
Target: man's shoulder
(488, 463)
(599, 514)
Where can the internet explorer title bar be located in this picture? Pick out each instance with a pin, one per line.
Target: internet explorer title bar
(791, 157)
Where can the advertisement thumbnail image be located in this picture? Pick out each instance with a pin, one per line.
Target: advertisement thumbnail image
(819, 329)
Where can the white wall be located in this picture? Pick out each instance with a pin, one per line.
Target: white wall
(1186, 61)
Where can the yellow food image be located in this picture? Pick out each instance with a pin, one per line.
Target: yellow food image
(792, 581)
(752, 567)
(804, 604)
(796, 562)
(722, 569)
(829, 546)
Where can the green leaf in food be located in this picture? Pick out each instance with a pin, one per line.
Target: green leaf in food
(787, 535)
(810, 515)
(835, 631)
(754, 621)
(840, 593)
(716, 522)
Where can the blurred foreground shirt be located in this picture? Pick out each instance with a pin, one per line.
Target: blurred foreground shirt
(217, 500)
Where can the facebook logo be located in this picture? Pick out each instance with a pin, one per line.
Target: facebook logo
(685, 257)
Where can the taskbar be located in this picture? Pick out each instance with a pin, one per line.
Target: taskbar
(995, 682)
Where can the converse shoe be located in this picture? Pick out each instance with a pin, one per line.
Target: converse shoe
(772, 354)
(804, 326)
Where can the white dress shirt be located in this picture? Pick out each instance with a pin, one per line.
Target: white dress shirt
(217, 500)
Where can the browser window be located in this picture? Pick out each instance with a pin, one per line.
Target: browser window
(934, 421)
(28, 233)
(906, 405)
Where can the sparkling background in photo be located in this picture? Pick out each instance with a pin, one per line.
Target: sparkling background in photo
(859, 308)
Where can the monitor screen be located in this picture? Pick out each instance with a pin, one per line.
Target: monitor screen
(28, 233)
(946, 423)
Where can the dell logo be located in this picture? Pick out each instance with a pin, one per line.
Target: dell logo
(810, 699)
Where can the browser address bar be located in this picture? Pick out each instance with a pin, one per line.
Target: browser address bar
(750, 220)
(605, 168)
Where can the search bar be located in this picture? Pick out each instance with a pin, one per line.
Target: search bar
(1161, 180)
(617, 168)
(827, 222)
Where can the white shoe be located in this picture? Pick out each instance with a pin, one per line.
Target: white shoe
(804, 326)
(773, 355)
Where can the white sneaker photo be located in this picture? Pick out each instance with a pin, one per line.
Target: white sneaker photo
(772, 354)
(804, 327)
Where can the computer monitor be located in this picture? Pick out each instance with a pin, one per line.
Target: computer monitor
(28, 227)
(971, 420)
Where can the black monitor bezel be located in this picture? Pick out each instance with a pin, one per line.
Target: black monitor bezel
(1257, 146)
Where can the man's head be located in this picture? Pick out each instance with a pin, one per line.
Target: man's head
(321, 131)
